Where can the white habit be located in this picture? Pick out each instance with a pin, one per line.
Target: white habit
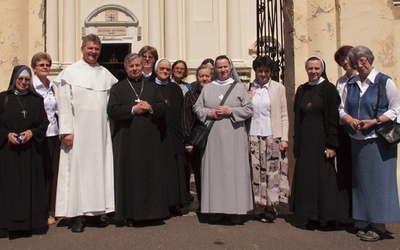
(85, 180)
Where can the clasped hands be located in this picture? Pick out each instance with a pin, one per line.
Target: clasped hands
(142, 107)
(220, 112)
(361, 124)
(24, 137)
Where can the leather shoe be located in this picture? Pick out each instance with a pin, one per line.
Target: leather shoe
(96, 221)
(78, 227)
(311, 225)
(216, 217)
(236, 219)
(374, 235)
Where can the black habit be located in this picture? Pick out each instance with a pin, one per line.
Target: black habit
(173, 147)
(315, 191)
(22, 191)
(139, 185)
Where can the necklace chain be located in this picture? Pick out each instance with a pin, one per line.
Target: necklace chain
(24, 112)
(141, 90)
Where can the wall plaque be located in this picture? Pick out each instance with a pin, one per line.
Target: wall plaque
(111, 31)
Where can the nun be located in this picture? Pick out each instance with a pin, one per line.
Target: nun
(23, 125)
(315, 193)
(225, 177)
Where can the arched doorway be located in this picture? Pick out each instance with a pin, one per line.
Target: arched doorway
(117, 28)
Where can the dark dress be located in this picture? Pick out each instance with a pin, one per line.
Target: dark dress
(22, 190)
(315, 193)
(139, 185)
(173, 147)
(189, 122)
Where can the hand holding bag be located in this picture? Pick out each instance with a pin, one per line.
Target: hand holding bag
(199, 135)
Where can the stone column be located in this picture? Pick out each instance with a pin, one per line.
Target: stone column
(69, 37)
(155, 25)
(234, 32)
(52, 41)
(172, 32)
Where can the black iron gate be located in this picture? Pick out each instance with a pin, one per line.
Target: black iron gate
(270, 35)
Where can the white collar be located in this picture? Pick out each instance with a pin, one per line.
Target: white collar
(223, 83)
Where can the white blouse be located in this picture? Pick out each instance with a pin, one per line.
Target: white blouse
(50, 104)
(261, 120)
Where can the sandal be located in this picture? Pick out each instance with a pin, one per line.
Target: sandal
(268, 215)
(51, 220)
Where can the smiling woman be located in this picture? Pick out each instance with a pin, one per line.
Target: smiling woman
(315, 194)
(375, 193)
(41, 63)
(223, 172)
(23, 124)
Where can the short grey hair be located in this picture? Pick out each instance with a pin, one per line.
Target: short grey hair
(130, 57)
(360, 51)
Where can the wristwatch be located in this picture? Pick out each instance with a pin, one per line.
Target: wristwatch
(378, 121)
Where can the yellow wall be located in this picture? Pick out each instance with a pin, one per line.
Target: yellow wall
(322, 26)
(20, 35)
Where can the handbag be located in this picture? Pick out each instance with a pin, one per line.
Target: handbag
(390, 134)
(199, 135)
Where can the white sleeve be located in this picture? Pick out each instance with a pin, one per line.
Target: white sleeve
(393, 97)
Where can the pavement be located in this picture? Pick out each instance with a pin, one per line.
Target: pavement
(191, 231)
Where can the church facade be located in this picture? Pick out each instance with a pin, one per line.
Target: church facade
(193, 30)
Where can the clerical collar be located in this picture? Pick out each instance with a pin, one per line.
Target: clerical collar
(223, 83)
(159, 82)
(16, 92)
(135, 80)
(321, 79)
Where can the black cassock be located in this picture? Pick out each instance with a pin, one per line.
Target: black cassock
(173, 146)
(22, 191)
(139, 185)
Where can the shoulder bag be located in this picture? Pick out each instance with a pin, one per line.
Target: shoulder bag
(391, 133)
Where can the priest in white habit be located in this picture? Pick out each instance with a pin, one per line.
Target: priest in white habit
(85, 183)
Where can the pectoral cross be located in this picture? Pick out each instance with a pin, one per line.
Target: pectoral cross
(24, 112)
(138, 100)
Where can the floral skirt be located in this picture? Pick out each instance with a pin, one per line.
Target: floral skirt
(269, 171)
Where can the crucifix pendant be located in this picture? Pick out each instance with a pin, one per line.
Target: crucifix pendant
(308, 104)
(24, 112)
(138, 100)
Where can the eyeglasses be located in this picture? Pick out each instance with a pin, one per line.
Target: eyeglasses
(44, 64)
(27, 79)
(362, 60)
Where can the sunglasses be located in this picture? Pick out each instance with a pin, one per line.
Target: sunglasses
(27, 79)
(44, 64)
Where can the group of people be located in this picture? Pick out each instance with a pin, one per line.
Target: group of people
(123, 149)
(360, 183)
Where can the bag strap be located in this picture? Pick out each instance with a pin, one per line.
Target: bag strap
(379, 97)
(382, 77)
(222, 102)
